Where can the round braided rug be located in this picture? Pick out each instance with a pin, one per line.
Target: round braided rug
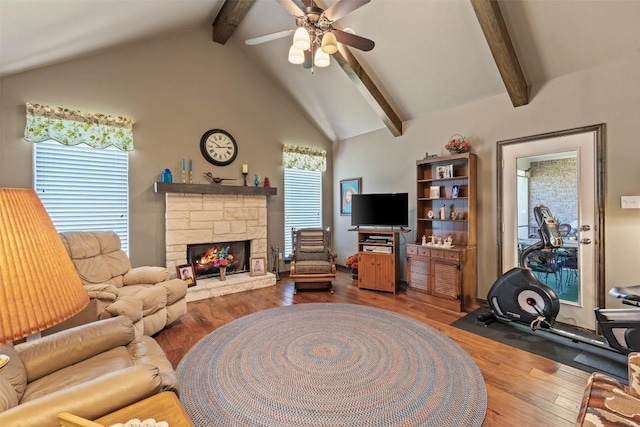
(330, 365)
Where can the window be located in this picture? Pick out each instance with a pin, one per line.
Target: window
(84, 188)
(302, 201)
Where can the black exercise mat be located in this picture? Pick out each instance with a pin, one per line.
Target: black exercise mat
(563, 350)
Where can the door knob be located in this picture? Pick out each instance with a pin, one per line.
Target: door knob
(585, 228)
(585, 241)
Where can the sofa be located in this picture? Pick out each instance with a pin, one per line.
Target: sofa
(146, 295)
(607, 402)
(90, 371)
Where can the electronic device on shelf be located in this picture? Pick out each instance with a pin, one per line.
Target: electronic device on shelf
(378, 249)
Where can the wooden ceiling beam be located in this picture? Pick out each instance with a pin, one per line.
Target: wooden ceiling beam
(497, 36)
(228, 18)
(362, 81)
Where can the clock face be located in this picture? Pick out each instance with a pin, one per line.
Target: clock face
(218, 147)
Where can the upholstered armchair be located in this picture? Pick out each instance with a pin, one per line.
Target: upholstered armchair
(144, 294)
(90, 371)
(312, 262)
(606, 402)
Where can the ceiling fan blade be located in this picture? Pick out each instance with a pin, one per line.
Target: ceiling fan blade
(308, 63)
(291, 7)
(342, 8)
(269, 37)
(353, 40)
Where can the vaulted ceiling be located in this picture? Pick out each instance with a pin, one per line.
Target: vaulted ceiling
(430, 55)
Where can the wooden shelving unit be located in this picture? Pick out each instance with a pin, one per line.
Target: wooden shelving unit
(378, 259)
(436, 274)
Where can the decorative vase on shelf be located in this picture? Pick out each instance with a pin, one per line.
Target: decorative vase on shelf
(457, 145)
(223, 273)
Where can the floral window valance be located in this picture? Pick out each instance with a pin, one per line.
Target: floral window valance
(306, 158)
(73, 127)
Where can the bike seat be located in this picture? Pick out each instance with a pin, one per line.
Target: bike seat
(628, 292)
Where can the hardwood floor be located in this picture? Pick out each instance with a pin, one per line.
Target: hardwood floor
(523, 389)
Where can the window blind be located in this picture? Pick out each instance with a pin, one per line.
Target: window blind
(302, 202)
(84, 188)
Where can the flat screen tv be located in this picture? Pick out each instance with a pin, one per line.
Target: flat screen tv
(389, 209)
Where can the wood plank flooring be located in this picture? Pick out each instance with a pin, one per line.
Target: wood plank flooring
(523, 389)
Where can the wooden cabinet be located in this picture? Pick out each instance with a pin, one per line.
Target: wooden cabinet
(378, 260)
(442, 275)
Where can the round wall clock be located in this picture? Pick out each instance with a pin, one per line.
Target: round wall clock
(218, 147)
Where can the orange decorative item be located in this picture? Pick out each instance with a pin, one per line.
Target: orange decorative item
(458, 144)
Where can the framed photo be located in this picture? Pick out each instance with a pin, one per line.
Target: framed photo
(257, 266)
(441, 172)
(434, 192)
(186, 272)
(455, 190)
(348, 187)
(448, 172)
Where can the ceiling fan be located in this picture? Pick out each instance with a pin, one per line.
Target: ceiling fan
(315, 39)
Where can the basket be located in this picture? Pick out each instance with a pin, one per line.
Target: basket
(457, 144)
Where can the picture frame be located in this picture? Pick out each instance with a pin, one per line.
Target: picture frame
(448, 173)
(455, 191)
(257, 266)
(434, 192)
(187, 273)
(441, 172)
(348, 187)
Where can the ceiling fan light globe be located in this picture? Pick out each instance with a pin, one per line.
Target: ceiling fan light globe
(296, 56)
(321, 59)
(301, 39)
(329, 43)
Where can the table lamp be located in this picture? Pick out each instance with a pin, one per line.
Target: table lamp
(39, 285)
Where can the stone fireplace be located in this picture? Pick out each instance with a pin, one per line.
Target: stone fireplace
(196, 217)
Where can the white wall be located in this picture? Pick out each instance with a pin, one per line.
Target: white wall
(175, 88)
(609, 94)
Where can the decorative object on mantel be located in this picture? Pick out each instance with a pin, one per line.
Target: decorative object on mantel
(266, 183)
(245, 172)
(457, 145)
(166, 176)
(215, 179)
(184, 171)
(256, 180)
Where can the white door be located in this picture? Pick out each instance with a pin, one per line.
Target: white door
(580, 152)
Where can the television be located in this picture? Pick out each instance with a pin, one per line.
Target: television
(388, 209)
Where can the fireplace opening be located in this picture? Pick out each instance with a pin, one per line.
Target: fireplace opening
(203, 257)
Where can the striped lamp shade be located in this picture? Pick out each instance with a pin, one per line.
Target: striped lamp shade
(39, 286)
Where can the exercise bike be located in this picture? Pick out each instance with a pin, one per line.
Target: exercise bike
(518, 296)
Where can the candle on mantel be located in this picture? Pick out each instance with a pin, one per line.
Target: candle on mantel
(190, 165)
(245, 168)
(183, 164)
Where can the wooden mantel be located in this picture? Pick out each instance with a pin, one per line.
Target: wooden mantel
(175, 187)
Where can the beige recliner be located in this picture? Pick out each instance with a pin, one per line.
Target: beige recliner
(90, 371)
(144, 294)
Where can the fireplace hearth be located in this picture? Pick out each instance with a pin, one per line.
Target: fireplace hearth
(203, 256)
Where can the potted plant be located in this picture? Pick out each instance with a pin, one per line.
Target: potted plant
(352, 263)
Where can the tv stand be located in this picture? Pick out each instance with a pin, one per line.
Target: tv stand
(378, 259)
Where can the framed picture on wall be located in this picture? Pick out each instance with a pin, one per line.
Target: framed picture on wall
(348, 187)
(257, 266)
(187, 273)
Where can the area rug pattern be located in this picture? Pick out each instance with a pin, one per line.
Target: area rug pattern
(330, 365)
